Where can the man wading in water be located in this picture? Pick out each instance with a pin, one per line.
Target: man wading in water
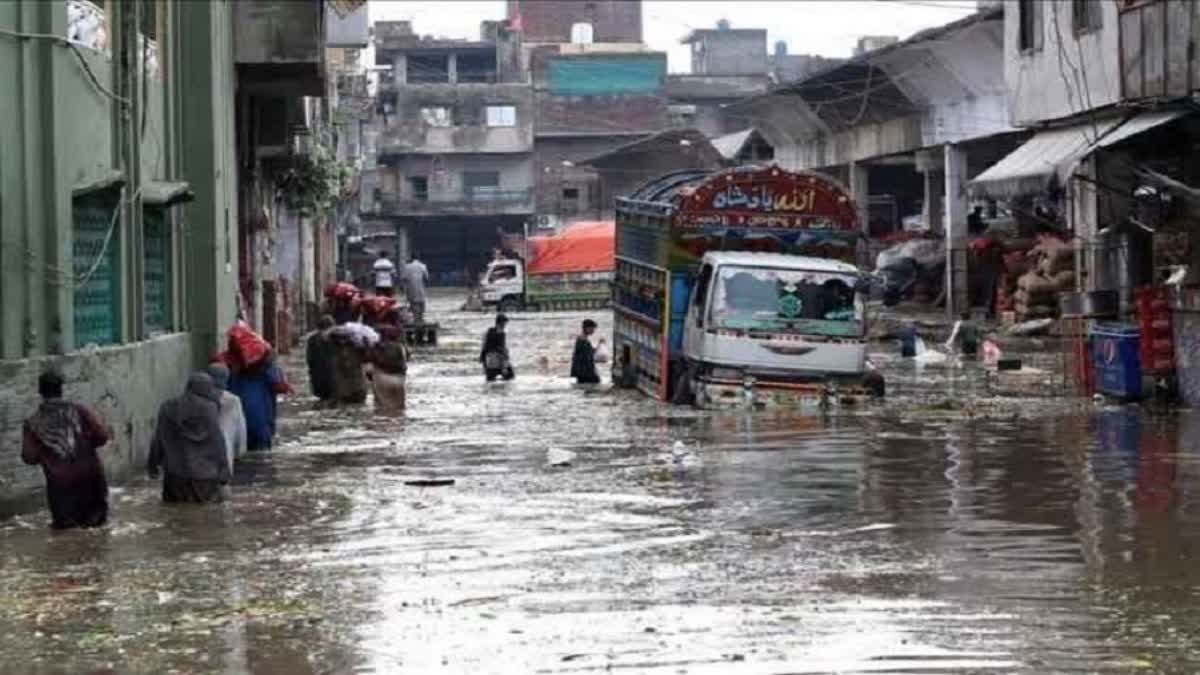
(62, 437)
(494, 355)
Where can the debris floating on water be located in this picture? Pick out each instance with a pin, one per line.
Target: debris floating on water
(430, 482)
(560, 457)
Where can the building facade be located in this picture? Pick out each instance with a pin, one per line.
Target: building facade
(904, 126)
(453, 148)
(558, 22)
(1108, 87)
(118, 207)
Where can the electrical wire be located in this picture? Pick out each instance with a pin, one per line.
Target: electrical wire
(91, 76)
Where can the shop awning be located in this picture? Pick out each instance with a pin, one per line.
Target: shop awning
(1140, 124)
(1032, 167)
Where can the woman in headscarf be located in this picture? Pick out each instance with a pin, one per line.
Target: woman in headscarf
(189, 445)
(233, 421)
(256, 380)
(62, 437)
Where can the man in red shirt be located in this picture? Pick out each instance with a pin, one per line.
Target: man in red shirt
(62, 437)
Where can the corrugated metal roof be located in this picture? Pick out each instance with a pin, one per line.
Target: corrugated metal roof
(1054, 153)
(1035, 165)
(730, 144)
(1141, 123)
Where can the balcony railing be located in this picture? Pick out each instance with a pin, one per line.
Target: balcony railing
(479, 200)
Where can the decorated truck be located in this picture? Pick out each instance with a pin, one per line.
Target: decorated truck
(570, 270)
(738, 287)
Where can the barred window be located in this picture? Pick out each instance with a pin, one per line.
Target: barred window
(96, 249)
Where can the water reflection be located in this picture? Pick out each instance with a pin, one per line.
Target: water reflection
(879, 539)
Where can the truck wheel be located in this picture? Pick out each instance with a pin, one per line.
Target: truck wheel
(682, 393)
(875, 385)
(510, 305)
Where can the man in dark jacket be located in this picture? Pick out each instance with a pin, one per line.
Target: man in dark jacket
(320, 354)
(189, 445)
(583, 361)
(62, 437)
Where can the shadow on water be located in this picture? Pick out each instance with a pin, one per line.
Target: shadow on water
(917, 535)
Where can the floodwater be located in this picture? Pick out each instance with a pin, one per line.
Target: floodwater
(935, 533)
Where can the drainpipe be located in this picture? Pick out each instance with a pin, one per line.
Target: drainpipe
(129, 66)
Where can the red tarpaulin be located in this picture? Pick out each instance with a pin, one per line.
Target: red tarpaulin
(582, 247)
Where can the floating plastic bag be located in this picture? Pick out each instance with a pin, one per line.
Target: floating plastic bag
(601, 355)
(991, 354)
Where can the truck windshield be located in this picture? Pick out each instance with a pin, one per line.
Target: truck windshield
(786, 300)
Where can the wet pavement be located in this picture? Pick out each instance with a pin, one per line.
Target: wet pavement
(942, 531)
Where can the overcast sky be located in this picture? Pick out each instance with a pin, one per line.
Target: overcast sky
(826, 27)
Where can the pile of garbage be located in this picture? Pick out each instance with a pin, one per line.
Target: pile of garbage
(1041, 274)
(910, 269)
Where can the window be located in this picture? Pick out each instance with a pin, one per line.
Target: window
(814, 303)
(427, 69)
(156, 270)
(570, 200)
(1030, 17)
(418, 187)
(87, 24)
(149, 42)
(436, 116)
(582, 33)
(1086, 16)
(703, 281)
(481, 184)
(95, 251)
(501, 116)
(503, 272)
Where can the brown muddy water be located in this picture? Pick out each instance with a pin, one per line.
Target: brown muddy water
(941, 532)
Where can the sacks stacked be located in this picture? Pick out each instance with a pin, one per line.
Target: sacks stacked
(1051, 271)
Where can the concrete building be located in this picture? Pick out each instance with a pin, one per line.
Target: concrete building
(601, 21)
(1114, 125)
(589, 99)
(725, 50)
(728, 64)
(290, 56)
(118, 204)
(622, 170)
(904, 126)
(785, 67)
(454, 148)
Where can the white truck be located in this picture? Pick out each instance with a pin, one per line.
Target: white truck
(738, 287)
(571, 270)
(762, 327)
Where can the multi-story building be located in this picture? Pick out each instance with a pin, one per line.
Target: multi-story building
(286, 78)
(728, 64)
(118, 206)
(589, 99)
(905, 125)
(600, 21)
(454, 146)
(1109, 88)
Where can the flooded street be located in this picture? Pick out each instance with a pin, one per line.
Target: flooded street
(911, 537)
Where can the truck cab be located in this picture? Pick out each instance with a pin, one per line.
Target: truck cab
(762, 327)
(503, 284)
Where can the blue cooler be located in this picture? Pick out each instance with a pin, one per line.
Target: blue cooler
(1117, 358)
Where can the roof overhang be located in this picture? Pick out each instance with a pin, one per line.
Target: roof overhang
(167, 193)
(1050, 157)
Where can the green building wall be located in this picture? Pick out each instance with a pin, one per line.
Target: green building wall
(61, 136)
